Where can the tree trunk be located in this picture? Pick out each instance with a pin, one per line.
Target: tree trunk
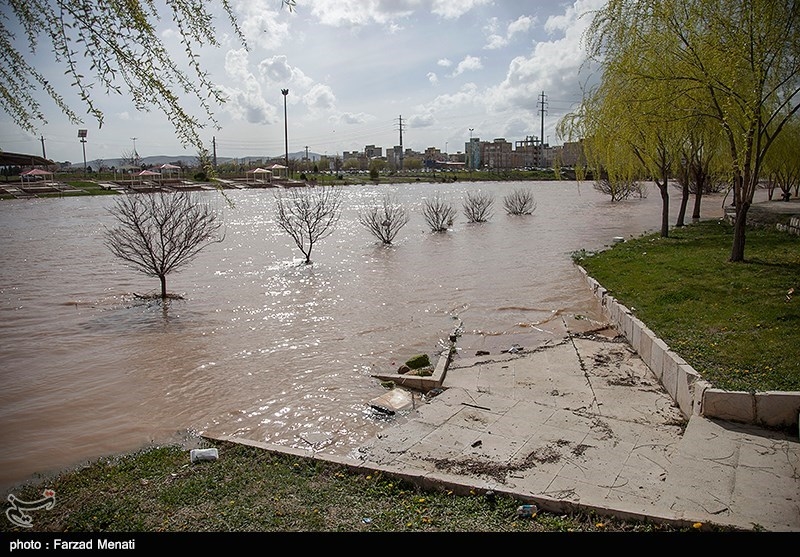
(739, 227)
(697, 199)
(664, 208)
(163, 279)
(684, 202)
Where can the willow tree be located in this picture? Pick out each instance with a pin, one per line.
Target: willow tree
(704, 159)
(736, 61)
(108, 47)
(630, 127)
(782, 165)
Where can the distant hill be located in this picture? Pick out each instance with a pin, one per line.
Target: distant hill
(186, 160)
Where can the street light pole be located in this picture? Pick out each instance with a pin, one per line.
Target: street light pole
(286, 130)
(82, 136)
(471, 150)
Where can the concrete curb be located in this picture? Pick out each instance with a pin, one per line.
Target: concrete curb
(692, 394)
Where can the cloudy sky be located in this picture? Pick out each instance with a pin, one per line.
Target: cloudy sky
(356, 70)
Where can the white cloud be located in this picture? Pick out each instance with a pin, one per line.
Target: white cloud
(263, 24)
(553, 66)
(320, 97)
(445, 63)
(422, 121)
(246, 101)
(494, 40)
(469, 63)
(351, 118)
(520, 25)
(433, 78)
(453, 10)
(344, 13)
(467, 96)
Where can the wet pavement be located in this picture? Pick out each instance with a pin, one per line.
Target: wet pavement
(576, 420)
(569, 418)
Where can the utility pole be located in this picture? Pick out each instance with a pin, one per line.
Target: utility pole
(44, 156)
(286, 129)
(214, 150)
(542, 111)
(471, 149)
(402, 154)
(135, 154)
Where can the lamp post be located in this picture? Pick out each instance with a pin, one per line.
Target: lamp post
(82, 136)
(471, 150)
(286, 130)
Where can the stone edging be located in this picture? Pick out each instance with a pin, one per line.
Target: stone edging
(792, 228)
(693, 394)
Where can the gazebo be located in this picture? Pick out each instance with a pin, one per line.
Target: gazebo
(36, 174)
(149, 175)
(264, 174)
(169, 170)
(280, 169)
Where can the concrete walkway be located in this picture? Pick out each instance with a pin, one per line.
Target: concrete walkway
(576, 420)
(570, 418)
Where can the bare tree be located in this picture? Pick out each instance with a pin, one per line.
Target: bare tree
(308, 215)
(620, 189)
(478, 206)
(129, 158)
(519, 202)
(438, 213)
(160, 233)
(384, 220)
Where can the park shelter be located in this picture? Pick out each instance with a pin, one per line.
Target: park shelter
(170, 170)
(280, 169)
(37, 174)
(149, 175)
(259, 176)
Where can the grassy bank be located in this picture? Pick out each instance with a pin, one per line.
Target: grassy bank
(252, 490)
(737, 324)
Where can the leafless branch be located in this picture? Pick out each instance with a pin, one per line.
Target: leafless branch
(160, 233)
(384, 220)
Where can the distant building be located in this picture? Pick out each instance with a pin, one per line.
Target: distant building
(571, 154)
(472, 153)
(497, 154)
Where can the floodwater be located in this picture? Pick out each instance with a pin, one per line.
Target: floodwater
(262, 346)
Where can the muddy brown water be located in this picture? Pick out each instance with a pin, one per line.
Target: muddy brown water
(261, 346)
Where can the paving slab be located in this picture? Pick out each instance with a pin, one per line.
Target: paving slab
(580, 422)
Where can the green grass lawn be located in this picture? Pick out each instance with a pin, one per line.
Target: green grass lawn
(252, 490)
(736, 324)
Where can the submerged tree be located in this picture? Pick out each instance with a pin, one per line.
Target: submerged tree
(385, 220)
(519, 202)
(478, 206)
(439, 213)
(618, 188)
(308, 215)
(158, 234)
